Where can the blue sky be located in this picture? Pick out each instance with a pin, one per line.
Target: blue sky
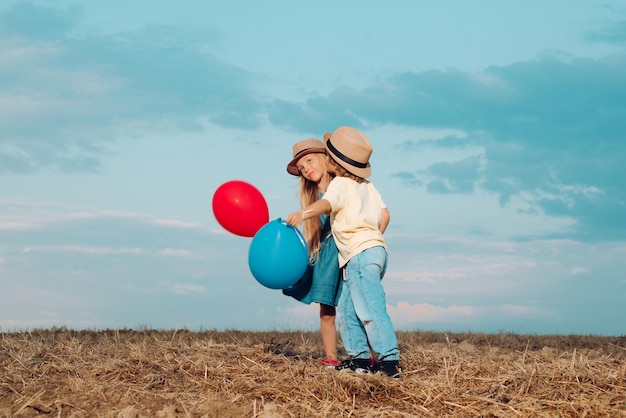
(499, 141)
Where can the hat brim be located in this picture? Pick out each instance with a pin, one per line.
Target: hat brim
(291, 167)
(357, 171)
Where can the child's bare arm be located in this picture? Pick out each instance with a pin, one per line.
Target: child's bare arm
(314, 209)
(384, 220)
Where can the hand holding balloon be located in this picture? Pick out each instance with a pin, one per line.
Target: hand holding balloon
(314, 209)
(295, 218)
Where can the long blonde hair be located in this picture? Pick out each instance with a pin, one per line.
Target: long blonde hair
(309, 193)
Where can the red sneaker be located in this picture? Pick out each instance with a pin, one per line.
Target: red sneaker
(329, 363)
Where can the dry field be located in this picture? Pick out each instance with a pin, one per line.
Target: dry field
(178, 373)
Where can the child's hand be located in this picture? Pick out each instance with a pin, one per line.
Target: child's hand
(294, 218)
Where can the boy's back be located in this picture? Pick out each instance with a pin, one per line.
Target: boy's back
(355, 216)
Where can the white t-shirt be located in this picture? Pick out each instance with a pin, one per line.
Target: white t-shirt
(355, 216)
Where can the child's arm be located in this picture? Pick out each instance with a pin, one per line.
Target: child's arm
(314, 209)
(384, 220)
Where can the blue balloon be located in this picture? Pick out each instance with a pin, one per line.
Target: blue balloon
(278, 255)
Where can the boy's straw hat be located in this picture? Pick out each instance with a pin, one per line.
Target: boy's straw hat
(302, 148)
(351, 149)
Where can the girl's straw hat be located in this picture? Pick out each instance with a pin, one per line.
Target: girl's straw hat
(302, 148)
(351, 149)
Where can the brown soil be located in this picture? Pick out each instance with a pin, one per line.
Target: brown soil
(147, 373)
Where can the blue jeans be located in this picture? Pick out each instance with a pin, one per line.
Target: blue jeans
(362, 307)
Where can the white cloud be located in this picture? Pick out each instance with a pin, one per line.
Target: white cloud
(175, 223)
(84, 250)
(184, 289)
(175, 252)
(17, 225)
(299, 316)
(16, 55)
(406, 315)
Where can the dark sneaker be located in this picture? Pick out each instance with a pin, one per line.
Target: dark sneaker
(356, 365)
(389, 367)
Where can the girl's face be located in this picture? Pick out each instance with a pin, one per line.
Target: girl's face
(310, 168)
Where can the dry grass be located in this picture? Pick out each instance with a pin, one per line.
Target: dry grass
(146, 373)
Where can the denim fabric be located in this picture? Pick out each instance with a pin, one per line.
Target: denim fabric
(321, 282)
(362, 307)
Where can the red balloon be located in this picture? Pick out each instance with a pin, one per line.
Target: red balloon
(240, 208)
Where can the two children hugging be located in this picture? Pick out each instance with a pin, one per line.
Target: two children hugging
(358, 217)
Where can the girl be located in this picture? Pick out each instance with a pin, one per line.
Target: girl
(321, 282)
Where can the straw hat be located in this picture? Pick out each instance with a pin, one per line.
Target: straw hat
(302, 148)
(351, 149)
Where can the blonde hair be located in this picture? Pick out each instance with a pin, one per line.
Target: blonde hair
(309, 193)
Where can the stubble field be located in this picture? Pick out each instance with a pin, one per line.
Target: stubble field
(179, 373)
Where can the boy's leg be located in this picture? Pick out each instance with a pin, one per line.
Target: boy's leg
(351, 329)
(363, 279)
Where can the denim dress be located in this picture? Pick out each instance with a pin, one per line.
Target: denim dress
(321, 282)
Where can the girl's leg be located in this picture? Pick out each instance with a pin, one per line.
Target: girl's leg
(328, 330)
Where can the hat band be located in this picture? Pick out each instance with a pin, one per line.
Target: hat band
(301, 151)
(344, 158)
